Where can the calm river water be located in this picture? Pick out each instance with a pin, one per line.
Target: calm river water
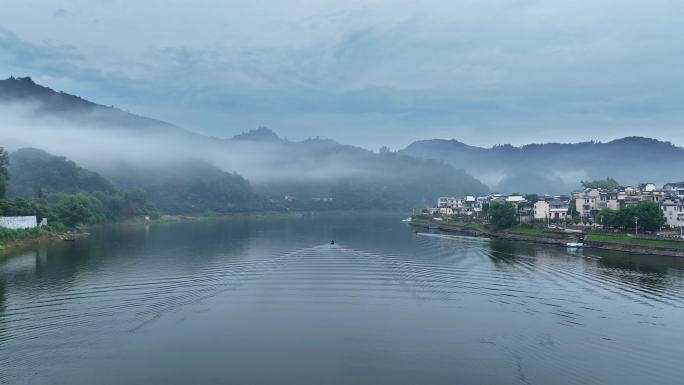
(268, 301)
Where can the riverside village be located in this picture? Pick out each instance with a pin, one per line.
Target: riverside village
(645, 218)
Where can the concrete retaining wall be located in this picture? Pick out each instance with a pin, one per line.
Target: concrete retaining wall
(28, 222)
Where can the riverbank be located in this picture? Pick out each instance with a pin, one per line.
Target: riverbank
(535, 235)
(32, 237)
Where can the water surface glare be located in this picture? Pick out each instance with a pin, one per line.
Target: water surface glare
(267, 300)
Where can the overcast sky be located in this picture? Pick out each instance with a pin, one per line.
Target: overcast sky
(367, 72)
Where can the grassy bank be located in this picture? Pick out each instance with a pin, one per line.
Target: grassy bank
(10, 236)
(466, 225)
(535, 232)
(14, 239)
(627, 240)
(7, 235)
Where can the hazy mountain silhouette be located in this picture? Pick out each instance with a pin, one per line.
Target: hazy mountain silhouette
(134, 151)
(318, 169)
(559, 166)
(50, 103)
(269, 160)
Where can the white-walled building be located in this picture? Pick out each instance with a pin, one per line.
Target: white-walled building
(551, 210)
(590, 201)
(674, 212)
(446, 211)
(586, 203)
(541, 210)
(515, 199)
(675, 189)
(451, 202)
(647, 187)
(25, 222)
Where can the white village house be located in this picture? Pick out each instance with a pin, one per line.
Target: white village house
(673, 209)
(676, 189)
(551, 210)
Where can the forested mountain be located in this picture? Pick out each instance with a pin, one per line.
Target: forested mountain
(56, 188)
(186, 172)
(191, 186)
(35, 173)
(323, 174)
(559, 167)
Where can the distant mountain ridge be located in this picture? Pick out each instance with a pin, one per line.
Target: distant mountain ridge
(51, 103)
(559, 166)
(259, 134)
(325, 173)
(275, 164)
(181, 170)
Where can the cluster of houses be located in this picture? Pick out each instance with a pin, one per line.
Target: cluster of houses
(670, 198)
(587, 203)
(545, 208)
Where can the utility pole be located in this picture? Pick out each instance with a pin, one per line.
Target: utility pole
(636, 226)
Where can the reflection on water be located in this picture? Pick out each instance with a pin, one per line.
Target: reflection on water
(2, 294)
(268, 300)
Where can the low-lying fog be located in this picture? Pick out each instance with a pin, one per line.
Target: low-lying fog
(103, 147)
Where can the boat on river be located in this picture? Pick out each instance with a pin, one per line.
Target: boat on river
(576, 245)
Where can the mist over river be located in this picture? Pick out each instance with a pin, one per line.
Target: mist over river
(268, 300)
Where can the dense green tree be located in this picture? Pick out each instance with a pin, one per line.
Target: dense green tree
(485, 209)
(650, 217)
(4, 163)
(55, 188)
(21, 206)
(79, 209)
(34, 173)
(608, 184)
(502, 214)
(191, 186)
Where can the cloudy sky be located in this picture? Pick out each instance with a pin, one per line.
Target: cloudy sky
(366, 72)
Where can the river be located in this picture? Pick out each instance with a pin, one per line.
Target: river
(267, 300)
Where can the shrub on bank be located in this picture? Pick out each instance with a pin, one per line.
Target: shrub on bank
(18, 234)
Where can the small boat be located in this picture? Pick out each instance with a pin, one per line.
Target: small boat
(69, 238)
(406, 220)
(332, 242)
(575, 245)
